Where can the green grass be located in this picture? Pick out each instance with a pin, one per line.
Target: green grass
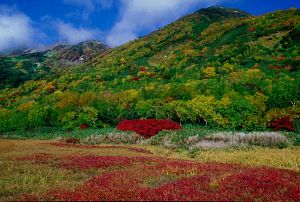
(177, 137)
(53, 133)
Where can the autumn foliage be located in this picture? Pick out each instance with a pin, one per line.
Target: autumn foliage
(142, 178)
(148, 127)
(284, 123)
(83, 126)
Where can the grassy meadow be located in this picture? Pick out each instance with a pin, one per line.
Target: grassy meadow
(192, 163)
(41, 165)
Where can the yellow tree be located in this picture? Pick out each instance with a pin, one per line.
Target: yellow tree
(209, 72)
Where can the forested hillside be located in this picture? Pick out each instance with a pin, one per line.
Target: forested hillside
(28, 64)
(218, 67)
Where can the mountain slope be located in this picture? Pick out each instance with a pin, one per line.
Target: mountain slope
(220, 67)
(27, 64)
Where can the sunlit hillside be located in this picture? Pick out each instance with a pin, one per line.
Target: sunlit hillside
(218, 67)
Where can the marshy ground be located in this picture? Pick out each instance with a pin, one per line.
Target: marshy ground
(49, 170)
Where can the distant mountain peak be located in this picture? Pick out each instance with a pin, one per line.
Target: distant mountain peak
(222, 9)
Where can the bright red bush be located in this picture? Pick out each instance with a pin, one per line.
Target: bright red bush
(135, 79)
(283, 123)
(147, 127)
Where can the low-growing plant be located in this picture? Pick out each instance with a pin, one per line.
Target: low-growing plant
(147, 127)
(113, 138)
(226, 140)
(285, 123)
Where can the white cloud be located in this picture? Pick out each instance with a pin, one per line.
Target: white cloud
(72, 35)
(148, 15)
(89, 6)
(16, 30)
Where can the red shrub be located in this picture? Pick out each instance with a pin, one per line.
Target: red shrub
(283, 123)
(251, 29)
(143, 69)
(148, 127)
(135, 79)
(84, 126)
(275, 67)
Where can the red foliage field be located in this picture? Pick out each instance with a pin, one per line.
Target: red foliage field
(159, 179)
(147, 127)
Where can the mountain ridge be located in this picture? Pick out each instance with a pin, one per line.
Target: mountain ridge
(38, 63)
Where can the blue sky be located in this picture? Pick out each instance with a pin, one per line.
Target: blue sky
(36, 23)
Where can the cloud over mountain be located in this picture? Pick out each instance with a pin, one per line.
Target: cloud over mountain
(137, 16)
(16, 28)
(73, 35)
(115, 22)
(89, 6)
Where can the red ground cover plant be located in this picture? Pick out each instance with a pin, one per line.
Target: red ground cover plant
(83, 146)
(147, 127)
(88, 162)
(94, 162)
(264, 184)
(143, 178)
(36, 158)
(285, 123)
(185, 181)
